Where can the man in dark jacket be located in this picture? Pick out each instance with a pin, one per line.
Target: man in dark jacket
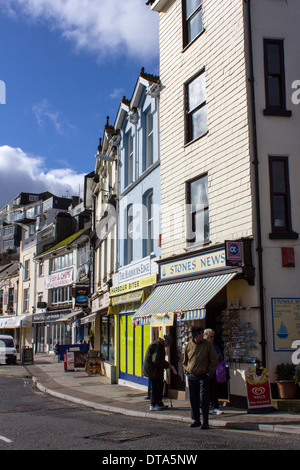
(200, 361)
(154, 366)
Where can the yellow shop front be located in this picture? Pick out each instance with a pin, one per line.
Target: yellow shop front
(125, 300)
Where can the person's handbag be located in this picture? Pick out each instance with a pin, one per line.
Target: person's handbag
(221, 372)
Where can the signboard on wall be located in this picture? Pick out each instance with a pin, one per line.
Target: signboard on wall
(59, 279)
(198, 264)
(234, 253)
(286, 322)
(81, 296)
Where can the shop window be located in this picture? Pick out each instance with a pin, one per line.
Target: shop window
(280, 199)
(197, 211)
(10, 304)
(62, 262)
(41, 268)
(192, 20)
(27, 270)
(130, 159)
(149, 229)
(195, 108)
(107, 337)
(130, 235)
(8, 244)
(61, 295)
(26, 300)
(275, 78)
(149, 137)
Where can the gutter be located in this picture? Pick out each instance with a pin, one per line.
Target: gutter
(257, 192)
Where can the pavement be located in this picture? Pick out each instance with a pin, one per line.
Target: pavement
(98, 393)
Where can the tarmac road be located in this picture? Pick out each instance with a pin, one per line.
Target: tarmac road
(32, 420)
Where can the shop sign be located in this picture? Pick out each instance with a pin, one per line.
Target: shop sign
(165, 319)
(234, 253)
(81, 296)
(49, 316)
(134, 296)
(101, 302)
(194, 265)
(258, 388)
(133, 285)
(136, 270)
(59, 279)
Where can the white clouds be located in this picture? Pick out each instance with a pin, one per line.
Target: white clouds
(117, 93)
(103, 27)
(43, 111)
(20, 172)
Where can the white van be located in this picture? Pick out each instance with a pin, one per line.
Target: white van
(8, 352)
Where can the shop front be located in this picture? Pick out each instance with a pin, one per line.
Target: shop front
(50, 327)
(206, 289)
(100, 328)
(18, 326)
(125, 300)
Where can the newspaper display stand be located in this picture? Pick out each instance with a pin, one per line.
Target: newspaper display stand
(93, 365)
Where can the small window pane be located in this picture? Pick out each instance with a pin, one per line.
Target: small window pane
(273, 59)
(195, 26)
(279, 211)
(191, 6)
(198, 218)
(197, 92)
(278, 176)
(199, 193)
(199, 124)
(274, 89)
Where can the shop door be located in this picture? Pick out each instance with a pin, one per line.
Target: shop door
(133, 345)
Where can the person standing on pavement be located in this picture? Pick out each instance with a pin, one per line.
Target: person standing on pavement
(209, 335)
(57, 351)
(200, 360)
(153, 368)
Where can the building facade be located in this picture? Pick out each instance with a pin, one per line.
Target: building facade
(228, 194)
(101, 197)
(29, 224)
(122, 193)
(62, 292)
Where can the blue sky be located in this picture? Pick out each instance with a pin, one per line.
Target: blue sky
(65, 65)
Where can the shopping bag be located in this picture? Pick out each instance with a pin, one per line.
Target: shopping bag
(221, 372)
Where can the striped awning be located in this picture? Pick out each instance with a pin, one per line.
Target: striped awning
(188, 297)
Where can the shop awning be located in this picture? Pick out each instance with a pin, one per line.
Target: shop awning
(88, 318)
(16, 321)
(188, 298)
(134, 296)
(69, 316)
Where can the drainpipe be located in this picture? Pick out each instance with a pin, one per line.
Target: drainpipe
(257, 193)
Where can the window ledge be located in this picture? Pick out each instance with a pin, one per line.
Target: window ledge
(195, 140)
(277, 112)
(196, 246)
(283, 235)
(193, 40)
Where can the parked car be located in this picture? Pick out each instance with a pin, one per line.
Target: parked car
(8, 351)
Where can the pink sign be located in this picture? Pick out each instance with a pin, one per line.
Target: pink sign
(59, 279)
